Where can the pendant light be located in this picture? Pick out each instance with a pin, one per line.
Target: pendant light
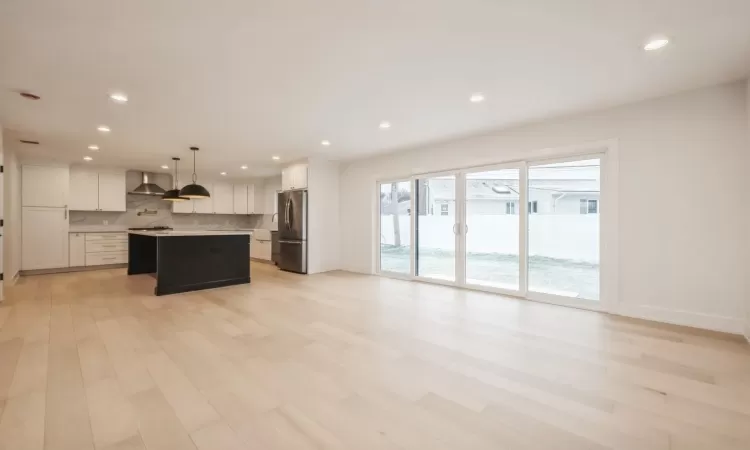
(194, 190)
(173, 195)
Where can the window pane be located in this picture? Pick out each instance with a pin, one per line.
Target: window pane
(436, 221)
(492, 228)
(395, 227)
(564, 235)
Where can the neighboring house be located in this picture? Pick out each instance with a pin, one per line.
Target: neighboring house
(558, 190)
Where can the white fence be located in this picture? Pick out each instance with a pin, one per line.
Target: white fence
(572, 237)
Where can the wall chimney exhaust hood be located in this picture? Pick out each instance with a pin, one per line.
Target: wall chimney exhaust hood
(146, 188)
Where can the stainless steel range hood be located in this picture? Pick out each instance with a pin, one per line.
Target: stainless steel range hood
(146, 188)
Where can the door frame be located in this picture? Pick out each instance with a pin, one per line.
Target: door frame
(456, 228)
(378, 216)
(522, 228)
(608, 153)
(595, 305)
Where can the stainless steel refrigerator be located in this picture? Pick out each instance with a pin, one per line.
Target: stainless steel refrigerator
(293, 231)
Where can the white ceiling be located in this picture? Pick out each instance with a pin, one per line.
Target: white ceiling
(248, 79)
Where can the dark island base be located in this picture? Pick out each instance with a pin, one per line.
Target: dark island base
(176, 289)
(190, 263)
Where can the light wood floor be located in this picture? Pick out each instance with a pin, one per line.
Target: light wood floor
(93, 360)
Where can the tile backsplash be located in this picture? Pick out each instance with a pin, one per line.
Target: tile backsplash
(135, 217)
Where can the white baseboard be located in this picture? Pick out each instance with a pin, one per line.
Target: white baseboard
(12, 280)
(686, 318)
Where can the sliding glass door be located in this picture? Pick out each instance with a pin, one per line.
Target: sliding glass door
(493, 200)
(564, 228)
(395, 227)
(530, 229)
(436, 227)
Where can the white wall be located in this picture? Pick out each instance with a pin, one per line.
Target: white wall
(681, 263)
(12, 216)
(747, 293)
(322, 216)
(11, 213)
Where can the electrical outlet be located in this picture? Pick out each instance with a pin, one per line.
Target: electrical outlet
(105, 222)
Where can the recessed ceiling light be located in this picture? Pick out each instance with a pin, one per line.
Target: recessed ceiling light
(165, 167)
(326, 143)
(94, 148)
(103, 128)
(656, 44)
(276, 158)
(87, 158)
(223, 174)
(477, 98)
(243, 167)
(385, 125)
(118, 97)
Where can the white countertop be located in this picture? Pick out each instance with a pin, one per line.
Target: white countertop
(97, 229)
(170, 233)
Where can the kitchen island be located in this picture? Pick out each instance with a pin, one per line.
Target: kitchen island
(185, 261)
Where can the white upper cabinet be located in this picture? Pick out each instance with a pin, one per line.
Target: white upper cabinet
(183, 207)
(294, 177)
(259, 201)
(271, 199)
(223, 198)
(45, 186)
(92, 190)
(251, 199)
(300, 176)
(240, 198)
(84, 189)
(112, 191)
(205, 205)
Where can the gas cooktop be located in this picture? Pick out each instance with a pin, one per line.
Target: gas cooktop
(150, 228)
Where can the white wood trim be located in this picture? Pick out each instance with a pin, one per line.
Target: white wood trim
(377, 218)
(523, 231)
(573, 302)
(724, 324)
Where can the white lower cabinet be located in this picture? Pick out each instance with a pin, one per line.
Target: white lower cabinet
(106, 248)
(100, 259)
(260, 245)
(77, 249)
(44, 241)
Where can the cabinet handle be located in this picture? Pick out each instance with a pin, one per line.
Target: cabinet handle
(66, 211)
